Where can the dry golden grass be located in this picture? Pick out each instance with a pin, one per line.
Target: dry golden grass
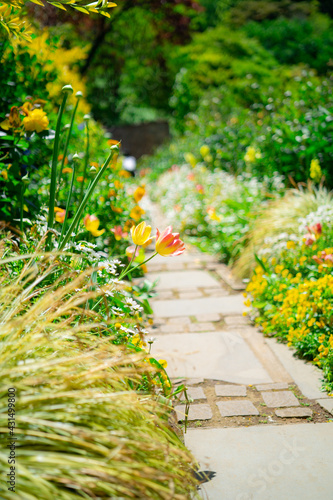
(82, 432)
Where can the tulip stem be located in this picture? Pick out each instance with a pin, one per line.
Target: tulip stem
(86, 199)
(67, 142)
(129, 264)
(68, 201)
(54, 172)
(86, 161)
(21, 206)
(141, 264)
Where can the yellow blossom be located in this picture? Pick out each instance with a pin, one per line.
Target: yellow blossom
(139, 193)
(136, 212)
(315, 170)
(36, 121)
(252, 154)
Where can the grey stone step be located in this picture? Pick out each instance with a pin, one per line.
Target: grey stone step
(285, 462)
(229, 305)
(183, 280)
(220, 355)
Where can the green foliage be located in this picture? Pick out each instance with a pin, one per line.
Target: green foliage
(84, 427)
(219, 56)
(293, 41)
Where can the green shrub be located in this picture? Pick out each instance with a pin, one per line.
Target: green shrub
(293, 41)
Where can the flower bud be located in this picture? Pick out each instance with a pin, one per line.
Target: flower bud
(86, 118)
(93, 171)
(76, 156)
(26, 180)
(79, 94)
(115, 148)
(67, 89)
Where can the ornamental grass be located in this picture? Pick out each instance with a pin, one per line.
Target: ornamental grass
(82, 430)
(280, 216)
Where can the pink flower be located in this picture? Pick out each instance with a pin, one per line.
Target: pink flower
(130, 252)
(316, 228)
(200, 188)
(309, 239)
(118, 233)
(191, 176)
(168, 243)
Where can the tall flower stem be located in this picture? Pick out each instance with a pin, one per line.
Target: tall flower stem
(21, 206)
(67, 89)
(129, 264)
(86, 160)
(68, 200)
(114, 150)
(136, 267)
(78, 95)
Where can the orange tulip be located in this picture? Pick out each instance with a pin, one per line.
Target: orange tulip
(59, 214)
(168, 243)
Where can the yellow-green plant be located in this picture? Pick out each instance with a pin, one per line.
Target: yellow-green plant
(82, 430)
(280, 216)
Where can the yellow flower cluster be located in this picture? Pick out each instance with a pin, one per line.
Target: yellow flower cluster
(315, 170)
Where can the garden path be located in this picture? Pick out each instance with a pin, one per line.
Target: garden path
(246, 390)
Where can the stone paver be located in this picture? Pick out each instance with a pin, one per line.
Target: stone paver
(181, 320)
(171, 328)
(307, 376)
(213, 355)
(236, 408)
(196, 294)
(229, 305)
(294, 412)
(230, 390)
(193, 381)
(183, 279)
(195, 393)
(196, 412)
(220, 292)
(202, 327)
(208, 317)
(236, 320)
(271, 462)
(166, 295)
(279, 399)
(225, 273)
(327, 404)
(272, 387)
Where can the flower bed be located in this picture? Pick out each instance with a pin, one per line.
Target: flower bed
(291, 290)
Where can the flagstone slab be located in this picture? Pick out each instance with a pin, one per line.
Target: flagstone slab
(229, 305)
(180, 320)
(208, 317)
(272, 387)
(327, 404)
(279, 399)
(201, 327)
(196, 412)
(195, 393)
(189, 280)
(230, 390)
(236, 408)
(307, 376)
(282, 462)
(294, 412)
(213, 355)
(195, 294)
